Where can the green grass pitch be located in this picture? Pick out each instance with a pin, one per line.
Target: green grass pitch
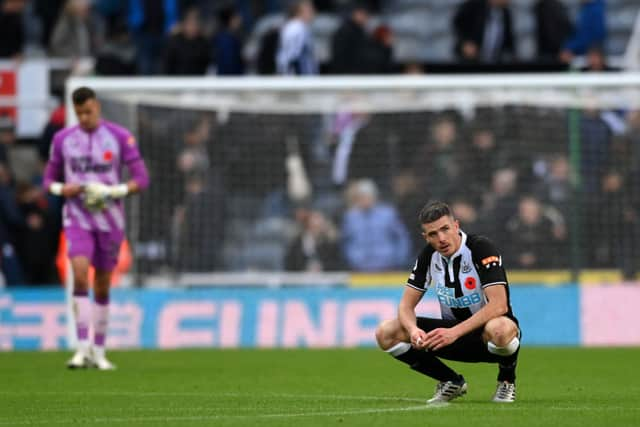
(360, 387)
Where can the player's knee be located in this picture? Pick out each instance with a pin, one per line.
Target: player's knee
(500, 331)
(384, 334)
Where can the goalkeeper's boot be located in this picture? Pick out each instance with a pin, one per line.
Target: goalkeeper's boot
(449, 390)
(100, 360)
(81, 359)
(505, 393)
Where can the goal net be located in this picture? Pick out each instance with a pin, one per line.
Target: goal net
(329, 174)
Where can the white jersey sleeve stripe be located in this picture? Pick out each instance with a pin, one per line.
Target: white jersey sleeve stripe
(486, 285)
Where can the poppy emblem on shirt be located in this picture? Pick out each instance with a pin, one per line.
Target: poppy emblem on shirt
(107, 156)
(470, 283)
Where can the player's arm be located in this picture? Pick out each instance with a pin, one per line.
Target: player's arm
(407, 315)
(137, 168)
(416, 287)
(53, 181)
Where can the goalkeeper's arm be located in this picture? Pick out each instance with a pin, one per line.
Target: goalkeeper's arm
(139, 181)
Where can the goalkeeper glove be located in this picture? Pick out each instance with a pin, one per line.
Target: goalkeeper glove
(97, 195)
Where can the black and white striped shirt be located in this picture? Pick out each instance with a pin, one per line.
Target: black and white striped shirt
(461, 279)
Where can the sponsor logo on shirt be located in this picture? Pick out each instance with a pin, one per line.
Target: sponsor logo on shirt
(85, 164)
(446, 296)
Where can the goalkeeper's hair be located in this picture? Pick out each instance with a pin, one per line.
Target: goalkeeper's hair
(82, 95)
(433, 211)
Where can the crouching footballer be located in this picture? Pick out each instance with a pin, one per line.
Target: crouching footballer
(477, 322)
(85, 167)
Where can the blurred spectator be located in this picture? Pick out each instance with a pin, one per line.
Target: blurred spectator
(530, 236)
(618, 218)
(408, 200)
(48, 12)
(268, 46)
(7, 137)
(56, 122)
(37, 239)
(555, 187)
(383, 39)
(114, 12)
(484, 31)
(469, 216)
(295, 51)
(353, 50)
(74, 35)
(500, 201)
(198, 221)
(251, 10)
(117, 56)
(590, 30)
(484, 157)
(227, 44)
(631, 59)
(12, 29)
(596, 61)
(10, 221)
(437, 163)
(374, 238)
(553, 28)
(413, 68)
(595, 140)
(149, 23)
(194, 158)
(316, 247)
(188, 52)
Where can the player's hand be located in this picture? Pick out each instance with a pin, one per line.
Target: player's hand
(439, 338)
(72, 190)
(419, 339)
(96, 196)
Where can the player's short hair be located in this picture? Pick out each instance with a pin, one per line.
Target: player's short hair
(82, 95)
(433, 211)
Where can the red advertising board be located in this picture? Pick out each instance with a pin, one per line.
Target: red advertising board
(8, 88)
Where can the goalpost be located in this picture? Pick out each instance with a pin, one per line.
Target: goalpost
(234, 160)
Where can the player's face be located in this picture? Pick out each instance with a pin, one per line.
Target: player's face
(88, 114)
(443, 235)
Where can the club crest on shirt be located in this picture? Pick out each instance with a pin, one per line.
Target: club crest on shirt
(466, 268)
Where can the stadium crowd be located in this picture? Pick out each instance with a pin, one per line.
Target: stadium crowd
(195, 37)
(368, 173)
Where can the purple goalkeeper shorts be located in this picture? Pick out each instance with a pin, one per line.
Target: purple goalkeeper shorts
(100, 247)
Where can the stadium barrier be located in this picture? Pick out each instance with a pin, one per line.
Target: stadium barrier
(290, 317)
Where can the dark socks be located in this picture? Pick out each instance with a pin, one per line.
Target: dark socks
(427, 364)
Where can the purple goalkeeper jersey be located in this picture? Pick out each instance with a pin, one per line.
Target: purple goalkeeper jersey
(81, 157)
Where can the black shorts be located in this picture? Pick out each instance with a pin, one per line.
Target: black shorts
(467, 348)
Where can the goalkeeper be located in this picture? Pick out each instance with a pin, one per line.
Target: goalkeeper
(85, 167)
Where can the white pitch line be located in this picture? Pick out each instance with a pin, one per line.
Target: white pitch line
(215, 394)
(127, 420)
